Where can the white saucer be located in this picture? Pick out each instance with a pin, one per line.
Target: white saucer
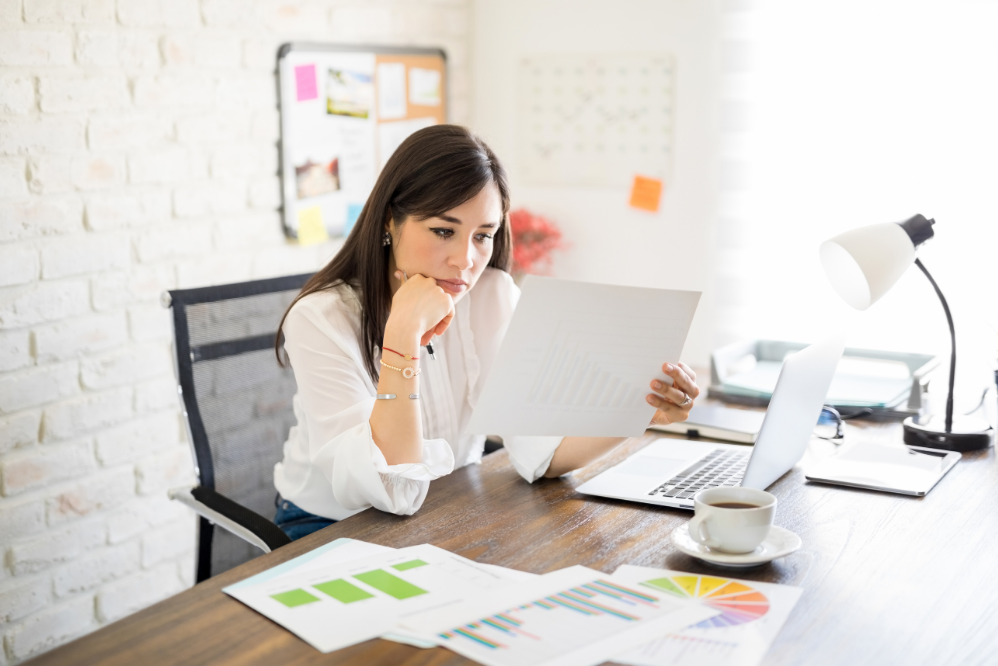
(778, 543)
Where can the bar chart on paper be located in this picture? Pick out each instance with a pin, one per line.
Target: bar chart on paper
(597, 603)
(751, 615)
(345, 592)
(577, 372)
(584, 622)
(346, 603)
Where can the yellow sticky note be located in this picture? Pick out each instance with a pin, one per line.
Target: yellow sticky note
(311, 230)
(646, 193)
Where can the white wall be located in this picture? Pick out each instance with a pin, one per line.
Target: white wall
(137, 154)
(611, 242)
(852, 113)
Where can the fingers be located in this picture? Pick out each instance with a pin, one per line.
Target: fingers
(688, 370)
(403, 277)
(662, 418)
(683, 379)
(670, 403)
(444, 324)
(669, 413)
(439, 329)
(671, 393)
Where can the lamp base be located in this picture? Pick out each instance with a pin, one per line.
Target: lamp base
(967, 434)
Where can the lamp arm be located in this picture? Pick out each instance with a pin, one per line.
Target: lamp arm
(952, 358)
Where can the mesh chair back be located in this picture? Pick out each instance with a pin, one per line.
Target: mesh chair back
(238, 399)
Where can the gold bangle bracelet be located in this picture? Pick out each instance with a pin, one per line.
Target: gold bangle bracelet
(407, 372)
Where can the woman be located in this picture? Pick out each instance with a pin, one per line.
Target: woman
(425, 266)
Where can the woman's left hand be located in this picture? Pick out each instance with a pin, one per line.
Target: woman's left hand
(674, 402)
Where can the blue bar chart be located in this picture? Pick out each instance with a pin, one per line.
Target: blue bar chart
(578, 617)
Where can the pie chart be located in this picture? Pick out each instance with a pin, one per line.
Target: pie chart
(738, 602)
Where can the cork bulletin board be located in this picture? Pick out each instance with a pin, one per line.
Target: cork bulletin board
(344, 111)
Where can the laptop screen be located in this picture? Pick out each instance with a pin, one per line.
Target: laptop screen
(793, 412)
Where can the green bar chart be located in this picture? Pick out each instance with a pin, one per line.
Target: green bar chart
(350, 598)
(411, 564)
(343, 591)
(390, 584)
(293, 598)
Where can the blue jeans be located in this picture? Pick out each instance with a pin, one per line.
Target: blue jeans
(295, 521)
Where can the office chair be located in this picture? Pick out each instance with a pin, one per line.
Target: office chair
(237, 406)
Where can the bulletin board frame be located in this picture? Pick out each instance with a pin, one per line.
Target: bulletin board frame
(344, 108)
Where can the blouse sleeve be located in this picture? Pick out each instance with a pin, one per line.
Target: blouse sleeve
(338, 398)
(531, 456)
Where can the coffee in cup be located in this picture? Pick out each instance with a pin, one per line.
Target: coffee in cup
(732, 520)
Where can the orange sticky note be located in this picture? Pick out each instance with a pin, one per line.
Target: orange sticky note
(646, 193)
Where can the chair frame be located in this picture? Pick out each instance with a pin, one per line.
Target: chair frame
(213, 508)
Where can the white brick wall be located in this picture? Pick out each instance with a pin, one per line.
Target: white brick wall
(137, 154)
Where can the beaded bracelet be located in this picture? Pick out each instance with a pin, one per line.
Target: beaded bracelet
(407, 372)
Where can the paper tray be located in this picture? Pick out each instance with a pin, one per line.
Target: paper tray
(745, 373)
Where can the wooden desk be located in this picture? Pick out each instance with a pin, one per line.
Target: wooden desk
(887, 579)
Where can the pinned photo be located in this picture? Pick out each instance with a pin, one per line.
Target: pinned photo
(349, 93)
(314, 179)
(424, 87)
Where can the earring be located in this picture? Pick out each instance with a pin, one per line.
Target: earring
(386, 240)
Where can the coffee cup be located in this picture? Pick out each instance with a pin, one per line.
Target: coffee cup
(732, 520)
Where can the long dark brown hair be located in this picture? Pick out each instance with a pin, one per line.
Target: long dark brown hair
(434, 170)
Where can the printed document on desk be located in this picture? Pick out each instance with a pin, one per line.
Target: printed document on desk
(579, 357)
(345, 603)
(571, 617)
(751, 616)
(335, 552)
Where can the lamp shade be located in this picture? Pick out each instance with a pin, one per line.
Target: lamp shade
(863, 264)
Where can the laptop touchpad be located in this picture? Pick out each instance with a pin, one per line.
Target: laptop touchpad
(662, 468)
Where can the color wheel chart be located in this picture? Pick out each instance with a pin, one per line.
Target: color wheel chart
(738, 602)
(751, 616)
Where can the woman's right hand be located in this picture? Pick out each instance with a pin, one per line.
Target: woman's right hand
(421, 306)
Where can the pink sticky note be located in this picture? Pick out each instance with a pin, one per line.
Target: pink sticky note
(305, 81)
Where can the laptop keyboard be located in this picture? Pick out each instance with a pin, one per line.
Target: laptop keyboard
(719, 468)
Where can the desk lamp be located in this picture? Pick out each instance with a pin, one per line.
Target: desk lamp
(862, 265)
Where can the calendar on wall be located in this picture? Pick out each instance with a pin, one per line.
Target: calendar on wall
(595, 120)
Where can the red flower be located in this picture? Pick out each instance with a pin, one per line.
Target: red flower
(534, 237)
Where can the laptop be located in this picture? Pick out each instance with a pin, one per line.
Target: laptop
(669, 472)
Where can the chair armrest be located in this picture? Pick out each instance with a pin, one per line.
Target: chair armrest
(239, 520)
(492, 443)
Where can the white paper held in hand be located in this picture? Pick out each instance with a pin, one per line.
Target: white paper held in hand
(579, 357)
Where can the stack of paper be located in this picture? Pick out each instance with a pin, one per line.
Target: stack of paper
(855, 384)
(350, 591)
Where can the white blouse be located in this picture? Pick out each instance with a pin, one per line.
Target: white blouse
(331, 466)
